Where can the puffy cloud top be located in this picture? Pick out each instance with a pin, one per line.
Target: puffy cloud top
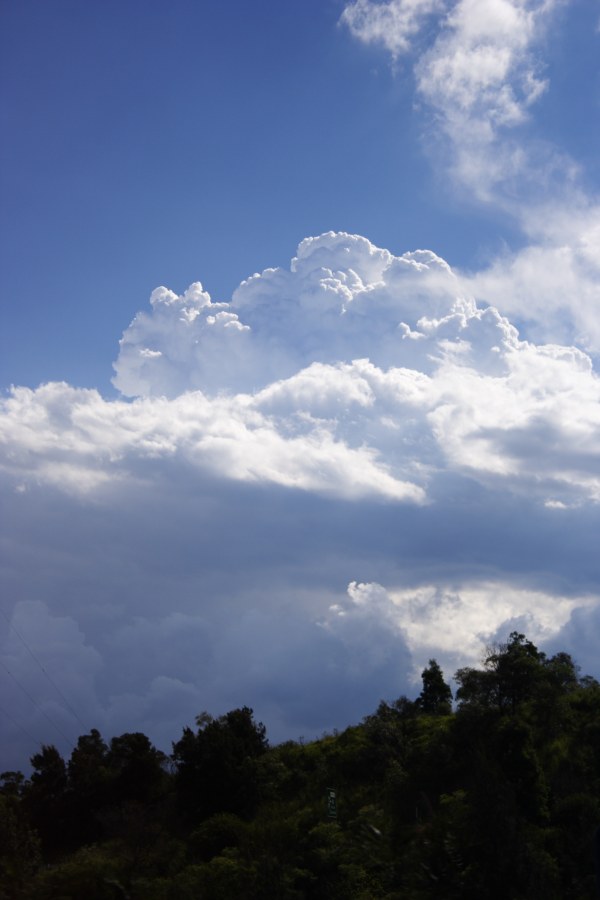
(354, 373)
(342, 298)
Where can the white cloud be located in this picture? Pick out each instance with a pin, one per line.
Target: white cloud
(552, 286)
(479, 76)
(265, 432)
(190, 548)
(102, 442)
(357, 417)
(454, 624)
(341, 297)
(414, 380)
(394, 23)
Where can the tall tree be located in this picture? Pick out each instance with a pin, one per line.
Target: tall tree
(47, 801)
(137, 769)
(436, 696)
(511, 675)
(89, 782)
(216, 766)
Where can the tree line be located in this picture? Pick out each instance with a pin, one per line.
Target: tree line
(494, 793)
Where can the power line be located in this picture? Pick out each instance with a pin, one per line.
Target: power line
(36, 660)
(19, 726)
(37, 705)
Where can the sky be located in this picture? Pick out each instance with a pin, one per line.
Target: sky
(300, 350)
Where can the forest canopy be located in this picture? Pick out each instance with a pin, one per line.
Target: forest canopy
(494, 793)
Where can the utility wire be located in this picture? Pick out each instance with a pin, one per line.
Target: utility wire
(37, 661)
(37, 705)
(19, 726)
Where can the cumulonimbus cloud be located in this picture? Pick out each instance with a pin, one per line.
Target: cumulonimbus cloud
(360, 373)
(360, 411)
(342, 297)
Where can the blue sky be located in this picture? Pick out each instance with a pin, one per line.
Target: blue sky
(308, 482)
(202, 141)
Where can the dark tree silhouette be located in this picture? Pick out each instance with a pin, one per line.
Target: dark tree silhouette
(436, 696)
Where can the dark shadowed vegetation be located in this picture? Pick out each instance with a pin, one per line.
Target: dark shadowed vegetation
(498, 797)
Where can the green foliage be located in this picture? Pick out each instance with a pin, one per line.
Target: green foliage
(216, 767)
(137, 769)
(436, 696)
(510, 674)
(12, 784)
(91, 872)
(47, 800)
(497, 800)
(90, 784)
(19, 848)
(221, 832)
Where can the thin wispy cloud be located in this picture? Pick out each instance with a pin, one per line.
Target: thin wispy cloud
(480, 78)
(394, 24)
(479, 74)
